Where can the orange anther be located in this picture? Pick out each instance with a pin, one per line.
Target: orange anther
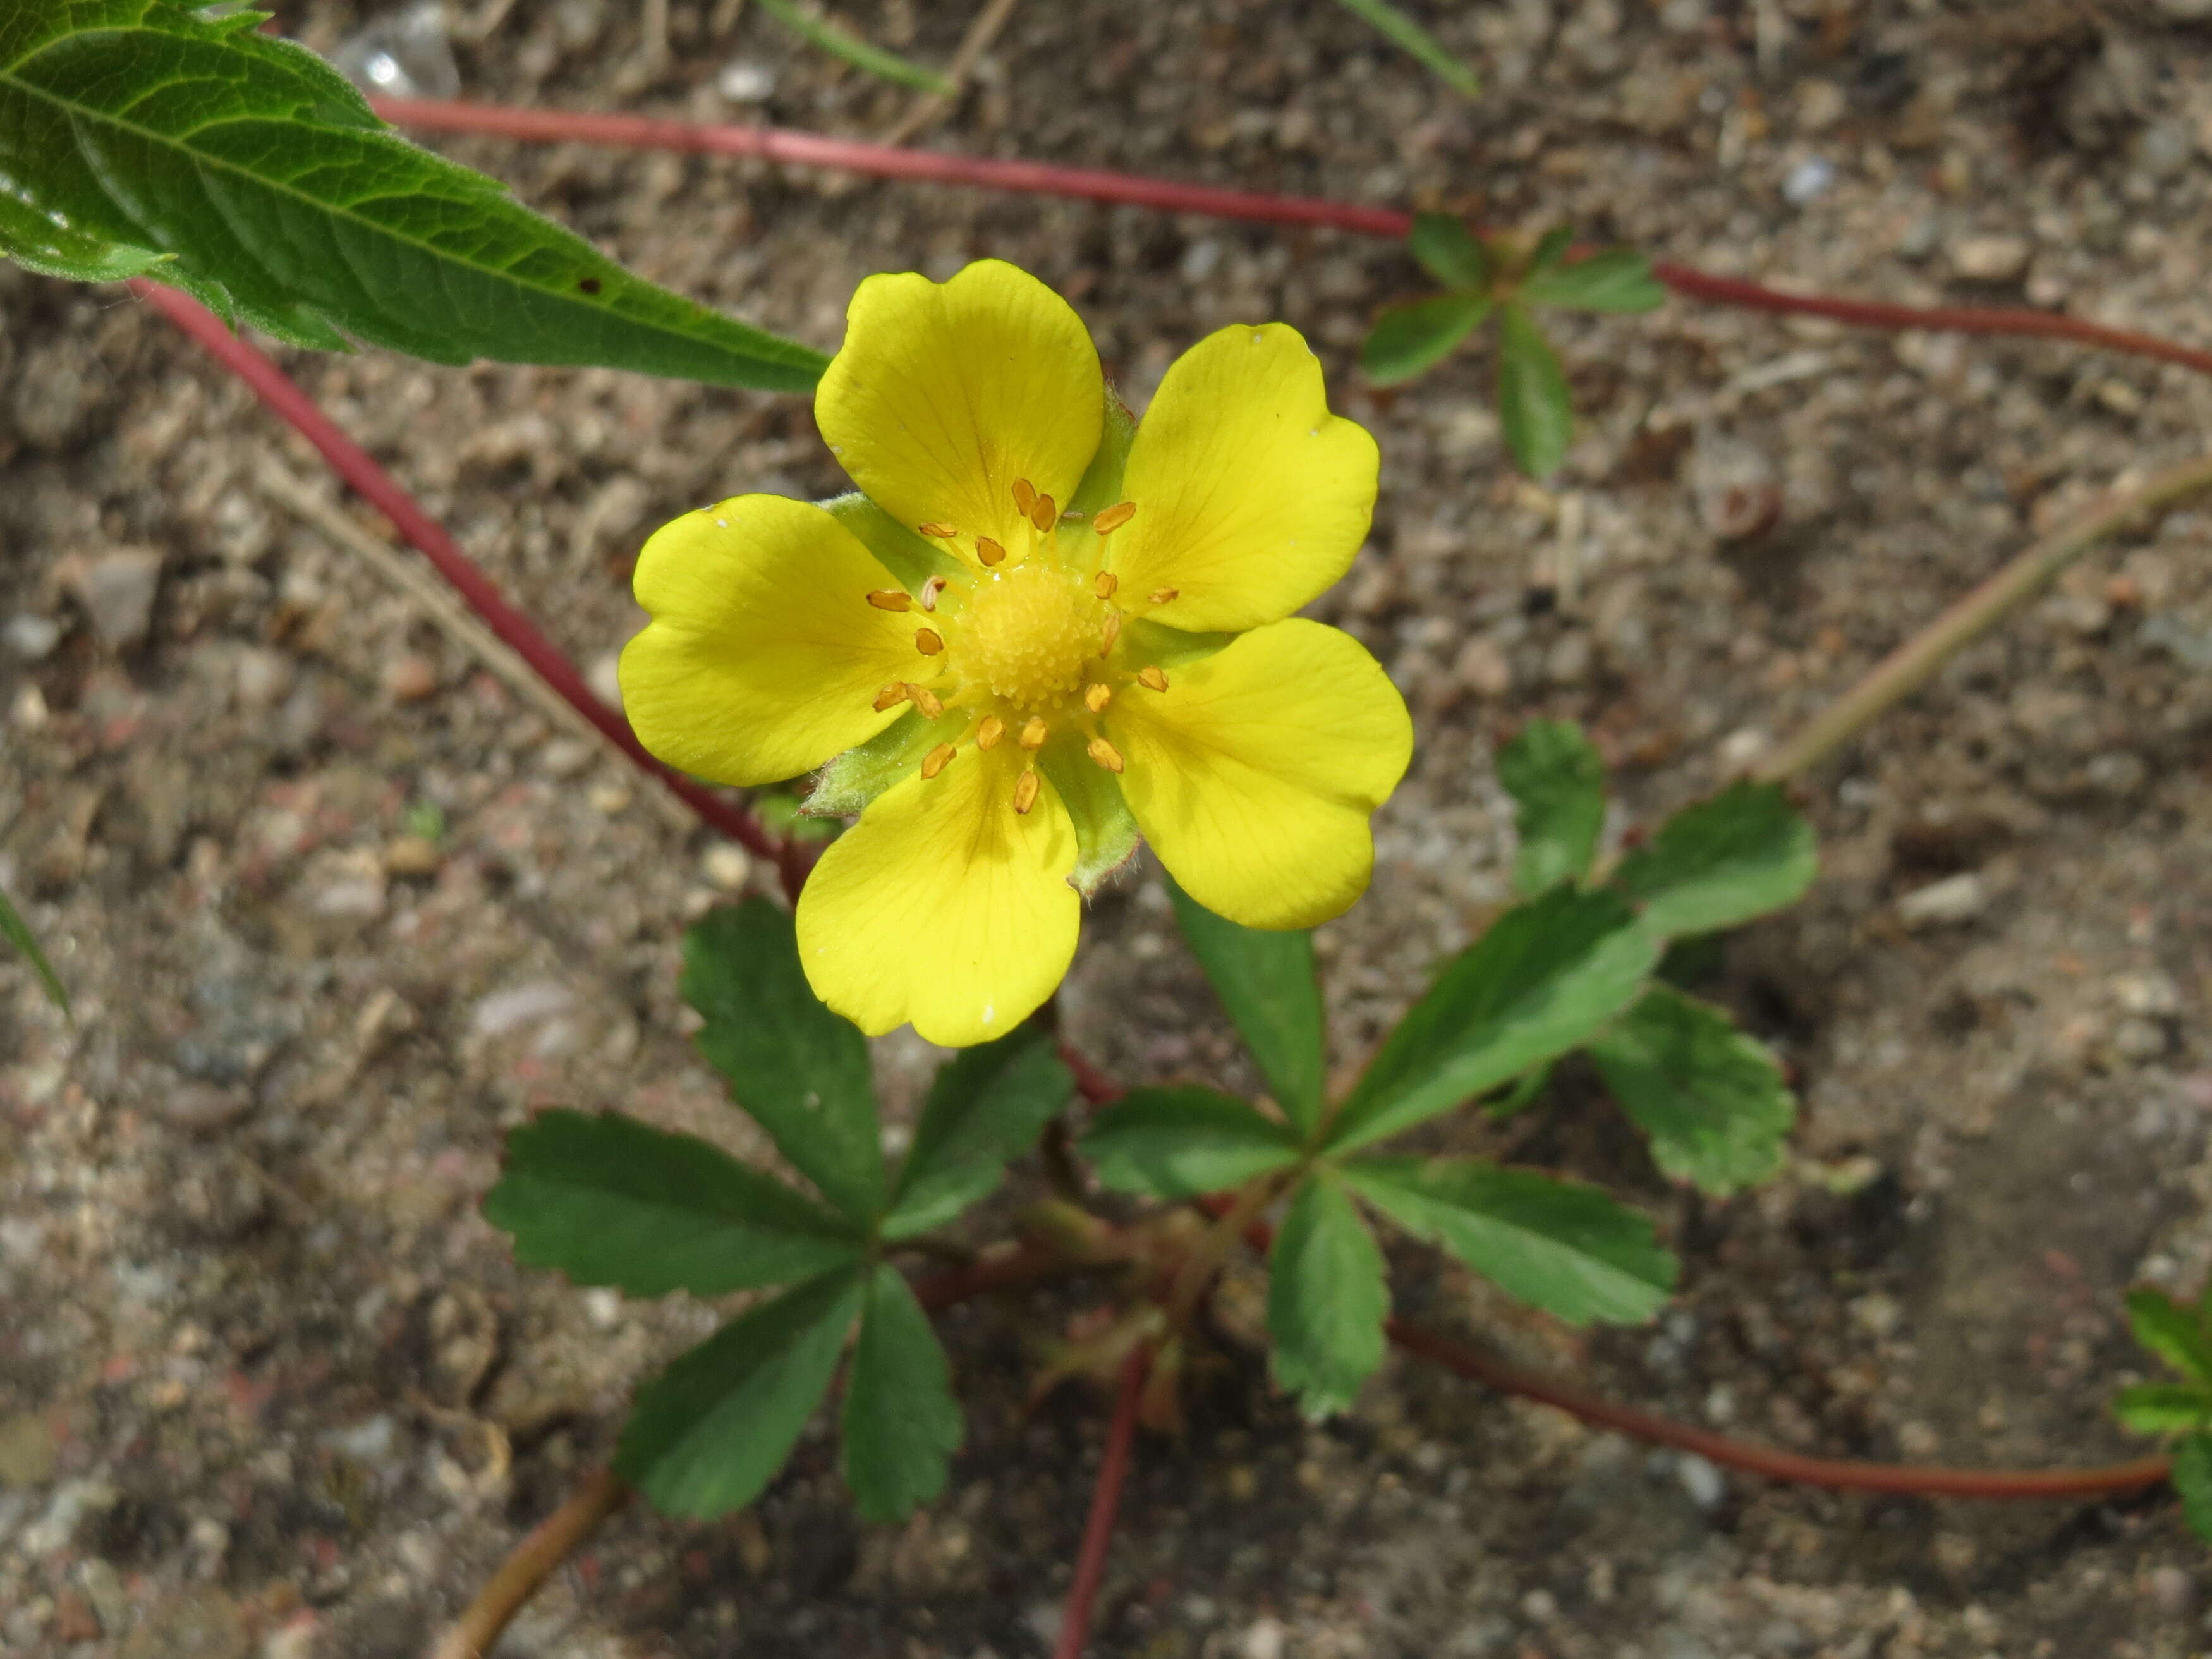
(1025, 792)
(988, 733)
(890, 598)
(1162, 595)
(1034, 734)
(937, 530)
(926, 700)
(937, 759)
(1104, 753)
(1111, 632)
(1114, 517)
(1096, 697)
(1104, 584)
(1152, 678)
(928, 641)
(988, 551)
(930, 590)
(1025, 496)
(891, 697)
(1043, 514)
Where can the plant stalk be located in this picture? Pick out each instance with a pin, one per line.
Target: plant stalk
(473, 1634)
(1105, 1503)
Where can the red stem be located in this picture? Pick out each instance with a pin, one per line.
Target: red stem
(1101, 184)
(381, 490)
(1105, 1501)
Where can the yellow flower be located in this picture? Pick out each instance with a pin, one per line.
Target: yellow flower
(1035, 634)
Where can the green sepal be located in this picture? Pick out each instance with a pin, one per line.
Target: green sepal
(911, 559)
(843, 788)
(707, 1435)
(1106, 833)
(1145, 641)
(1101, 486)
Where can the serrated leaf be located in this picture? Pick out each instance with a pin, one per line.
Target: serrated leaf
(1267, 984)
(2192, 1480)
(1417, 43)
(709, 1432)
(2173, 1332)
(1712, 1099)
(1743, 852)
(799, 1070)
(1548, 253)
(1533, 405)
(1442, 246)
(1557, 779)
(1567, 1249)
(1184, 1143)
(902, 1424)
(1327, 1297)
(609, 1201)
(987, 1105)
(152, 131)
(1546, 975)
(1411, 339)
(17, 932)
(35, 241)
(2164, 1408)
(1617, 280)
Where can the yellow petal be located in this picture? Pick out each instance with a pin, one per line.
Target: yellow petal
(1253, 775)
(763, 657)
(1251, 497)
(944, 907)
(945, 393)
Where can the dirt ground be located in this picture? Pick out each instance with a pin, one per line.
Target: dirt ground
(338, 907)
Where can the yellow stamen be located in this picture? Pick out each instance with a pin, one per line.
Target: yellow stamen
(988, 733)
(1114, 517)
(937, 759)
(1025, 496)
(1096, 697)
(928, 641)
(988, 551)
(1025, 792)
(1044, 515)
(926, 700)
(1104, 584)
(1162, 595)
(1152, 678)
(930, 590)
(1034, 734)
(890, 598)
(938, 531)
(1111, 633)
(1102, 752)
(891, 697)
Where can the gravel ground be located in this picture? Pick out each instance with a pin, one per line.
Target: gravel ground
(339, 906)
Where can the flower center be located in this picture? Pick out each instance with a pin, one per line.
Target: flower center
(1027, 633)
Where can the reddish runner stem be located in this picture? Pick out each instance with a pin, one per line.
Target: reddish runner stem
(1170, 196)
(381, 490)
(473, 1634)
(1105, 1503)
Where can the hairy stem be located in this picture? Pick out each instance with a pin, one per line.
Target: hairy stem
(1105, 1502)
(1168, 195)
(1913, 664)
(1230, 1226)
(471, 1635)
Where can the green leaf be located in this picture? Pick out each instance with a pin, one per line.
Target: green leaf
(986, 1105)
(1327, 1297)
(1267, 984)
(710, 1432)
(1413, 338)
(1556, 781)
(609, 1201)
(1712, 1099)
(1548, 253)
(1618, 279)
(1184, 1143)
(2173, 1332)
(796, 1068)
(2192, 1479)
(270, 190)
(902, 1423)
(2164, 1408)
(1533, 405)
(1417, 42)
(843, 43)
(1567, 1249)
(1546, 976)
(1447, 251)
(33, 240)
(1738, 855)
(17, 932)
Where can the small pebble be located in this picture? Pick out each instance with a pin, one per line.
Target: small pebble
(32, 638)
(1483, 668)
(412, 855)
(1990, 259)
(203, 1107)
(746, 81)
(605, 678)
(728, 867)
(1954, 899)
(1701, 1480)
(264, 677)
(1809, 180)
(409, 679)
(116, 591)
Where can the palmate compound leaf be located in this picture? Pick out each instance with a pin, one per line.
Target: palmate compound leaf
(1617, 279)
(710, 1432)
(609, 1201)
(1447, 251)
(1556, 781)
(1327, 1297)
(143, 136)
(799, 1070)
(1534, 406)
(2164, 1408)
(1743, 852)
(1184, 1143)
(1567, 1249)
(14, 929)
(1712, 1099)
(1410, 339)
(2192, 1479)
(1544, 979)
(986, 1106)
(2174, 1332)
(902, 1424)
(1267, 984)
